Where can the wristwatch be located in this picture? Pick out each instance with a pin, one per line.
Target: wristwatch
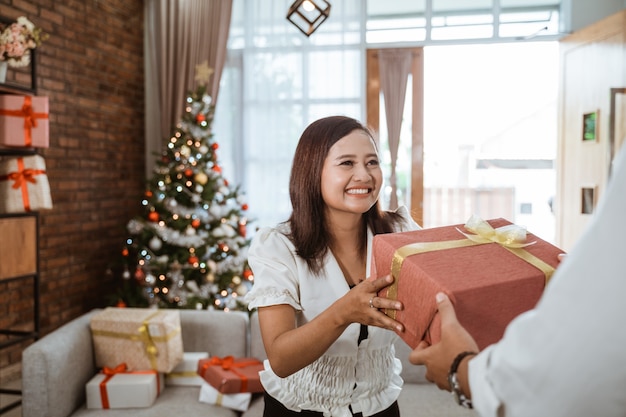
(455, 387)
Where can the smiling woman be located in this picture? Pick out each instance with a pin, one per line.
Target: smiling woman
(316, 310)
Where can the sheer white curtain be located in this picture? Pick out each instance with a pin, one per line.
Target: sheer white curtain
(277, 81)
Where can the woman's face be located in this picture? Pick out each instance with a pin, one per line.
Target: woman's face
(351, 176)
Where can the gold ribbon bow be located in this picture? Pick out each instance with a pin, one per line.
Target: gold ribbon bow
(511, 237)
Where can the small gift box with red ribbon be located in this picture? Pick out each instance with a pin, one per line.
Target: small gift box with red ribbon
(231, 375)
(120, 388)
(24, 121)
(491, 270)
(210, 395)
(143, 338)
(24, 185)
(186, 372)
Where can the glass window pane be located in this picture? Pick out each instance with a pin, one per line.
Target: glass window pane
(456, 5)
(490, 133)
(462, 32)
(395, 7)
(529, 3)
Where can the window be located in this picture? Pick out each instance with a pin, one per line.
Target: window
(277, 80)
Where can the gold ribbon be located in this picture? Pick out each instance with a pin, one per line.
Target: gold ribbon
(143, 336)
(510, 237)
(182, 374)
(219, 399)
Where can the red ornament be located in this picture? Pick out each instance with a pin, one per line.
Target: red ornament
(217, 168)
(195, 223)
(200, 118)
(153, 216)
(242, 229)
(225, 182)
(125, 252)
(140, 275)
(193, 260)
(244, 207)
(189, 172)
(120, 304)
(214, 146)
(247, 274)
(148, 193)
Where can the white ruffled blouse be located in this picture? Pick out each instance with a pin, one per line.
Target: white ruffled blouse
(364, 377)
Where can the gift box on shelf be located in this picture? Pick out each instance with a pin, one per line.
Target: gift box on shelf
(24, 185)
(232, 375)
(120, 388)
(24, 121)
(186, 372)
(143, 338)
(210, 395)
(491, 270)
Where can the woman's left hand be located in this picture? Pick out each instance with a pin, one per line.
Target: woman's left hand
(367, 304)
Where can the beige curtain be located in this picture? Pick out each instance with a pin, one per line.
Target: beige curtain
(179, 34)
(394, 67)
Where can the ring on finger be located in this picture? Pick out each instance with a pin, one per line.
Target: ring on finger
(372, 302)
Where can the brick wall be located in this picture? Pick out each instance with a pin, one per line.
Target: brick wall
(91, 68)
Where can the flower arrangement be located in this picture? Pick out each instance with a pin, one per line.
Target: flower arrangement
(17, 40)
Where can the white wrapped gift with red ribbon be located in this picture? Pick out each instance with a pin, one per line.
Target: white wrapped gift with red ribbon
(24, 185)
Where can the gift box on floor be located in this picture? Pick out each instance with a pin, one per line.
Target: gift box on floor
(210, 395)
(143, 338)
(491, 270)
(24, 185)
(186, 372)
(232, 375)
(119, 388)
(24, 121)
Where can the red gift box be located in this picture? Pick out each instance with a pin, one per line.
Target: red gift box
(24, 121)
(492, 271)
(231, 375)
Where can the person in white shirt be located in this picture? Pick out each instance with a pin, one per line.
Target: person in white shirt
(567, 356)
(330, 350)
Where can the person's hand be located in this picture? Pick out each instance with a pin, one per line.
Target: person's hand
(454, 340)
(363, 305)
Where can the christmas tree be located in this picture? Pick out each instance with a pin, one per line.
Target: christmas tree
(188, 248)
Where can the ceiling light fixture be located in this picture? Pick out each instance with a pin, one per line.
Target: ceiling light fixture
(308, 15)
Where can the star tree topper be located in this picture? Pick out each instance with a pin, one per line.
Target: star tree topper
(203, 73)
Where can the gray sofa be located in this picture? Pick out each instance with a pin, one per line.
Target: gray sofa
(56, 368)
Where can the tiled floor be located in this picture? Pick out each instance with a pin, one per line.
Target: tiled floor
(9, 399)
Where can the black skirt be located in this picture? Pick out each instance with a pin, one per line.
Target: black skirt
(273, 408)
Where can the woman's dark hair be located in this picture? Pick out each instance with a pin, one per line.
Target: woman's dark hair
(309, 232)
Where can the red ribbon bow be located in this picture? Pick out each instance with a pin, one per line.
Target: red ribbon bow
(120, 369)
(21, 177)
(110, 373)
